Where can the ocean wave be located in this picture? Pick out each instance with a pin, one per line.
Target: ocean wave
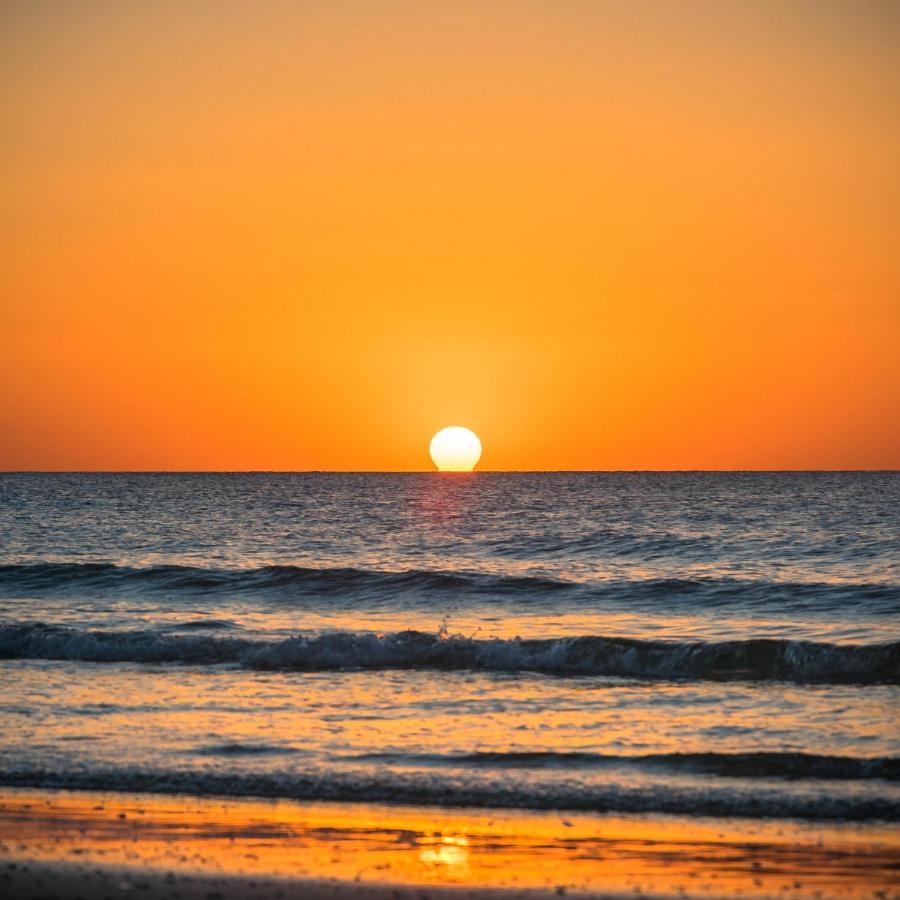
(47, 579)
(758, 800)
(243, 748)
(202, 625)
(759, 659)
(730, 765)
(288, 583)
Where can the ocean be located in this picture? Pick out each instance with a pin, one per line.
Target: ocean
(701, 644)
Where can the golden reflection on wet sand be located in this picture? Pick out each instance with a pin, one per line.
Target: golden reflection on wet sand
(401, 845)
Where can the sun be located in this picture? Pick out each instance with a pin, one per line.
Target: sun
(455, 449)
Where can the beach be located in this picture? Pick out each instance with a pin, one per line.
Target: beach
(68, 844)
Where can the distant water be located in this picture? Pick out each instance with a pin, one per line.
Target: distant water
(694, 643)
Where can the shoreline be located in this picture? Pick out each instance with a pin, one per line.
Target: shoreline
(72, 881)
(66, 844)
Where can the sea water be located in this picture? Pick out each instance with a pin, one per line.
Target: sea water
(717, 644)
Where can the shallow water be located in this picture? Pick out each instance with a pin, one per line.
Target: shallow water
(104, 844)
(720, 644)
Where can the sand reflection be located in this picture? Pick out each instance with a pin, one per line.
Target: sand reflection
(421, 846)
(450, 851)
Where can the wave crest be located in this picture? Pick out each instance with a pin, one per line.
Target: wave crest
(759, 764)
(760, 659)
(768, 801)
(292, 584)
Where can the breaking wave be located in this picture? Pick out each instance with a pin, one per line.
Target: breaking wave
(759, 800)
(761, 659)
(728, 765)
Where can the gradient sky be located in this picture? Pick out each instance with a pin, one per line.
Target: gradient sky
(307, 235)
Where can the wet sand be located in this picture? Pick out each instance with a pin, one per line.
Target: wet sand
(82, 844)
(71, 881)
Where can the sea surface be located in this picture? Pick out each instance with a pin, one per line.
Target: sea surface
(710, 644)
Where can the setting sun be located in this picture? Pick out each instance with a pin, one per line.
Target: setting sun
(455, 449)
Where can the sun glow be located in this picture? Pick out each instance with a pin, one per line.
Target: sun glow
(455, 449)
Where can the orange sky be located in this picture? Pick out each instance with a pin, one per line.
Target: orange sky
(307, 235)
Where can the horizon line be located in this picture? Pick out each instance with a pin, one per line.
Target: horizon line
(884, 470)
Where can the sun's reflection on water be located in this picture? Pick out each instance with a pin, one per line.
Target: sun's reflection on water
(448, 850)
